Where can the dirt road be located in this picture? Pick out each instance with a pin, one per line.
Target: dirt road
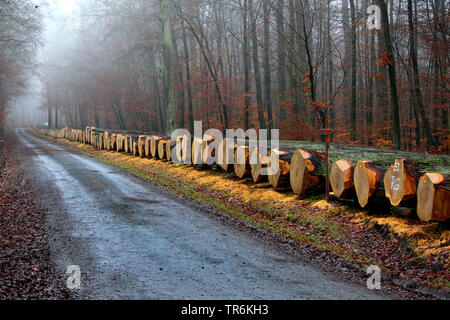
(134, 240)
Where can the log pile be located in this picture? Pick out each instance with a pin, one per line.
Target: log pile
(370, 174)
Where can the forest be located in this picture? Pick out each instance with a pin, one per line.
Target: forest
(294, 65)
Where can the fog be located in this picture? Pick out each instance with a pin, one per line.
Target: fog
(60, 27)
(296, 65)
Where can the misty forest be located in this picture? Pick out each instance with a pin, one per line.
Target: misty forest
(295, 65)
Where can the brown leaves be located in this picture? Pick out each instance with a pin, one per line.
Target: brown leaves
(25, 268)
(386, 59)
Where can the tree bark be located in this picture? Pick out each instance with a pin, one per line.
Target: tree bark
(392, 75)
(259, 102)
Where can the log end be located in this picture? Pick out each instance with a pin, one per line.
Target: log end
(341, 177)
(433, 202)
(399, 182)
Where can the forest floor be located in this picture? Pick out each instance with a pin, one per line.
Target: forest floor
(26, 269)
(411, 253)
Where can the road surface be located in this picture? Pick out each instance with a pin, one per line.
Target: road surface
(134, 240)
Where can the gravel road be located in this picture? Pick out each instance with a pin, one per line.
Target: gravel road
(134, 240)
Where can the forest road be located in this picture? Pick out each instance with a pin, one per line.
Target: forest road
(134, 240)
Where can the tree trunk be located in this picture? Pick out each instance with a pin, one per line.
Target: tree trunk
(392, 75)
(247, 62)
(281, 51)
(166, 66)
(188, 81)
(353, 78)
(262, 120)
(267, 73)
(415, 68)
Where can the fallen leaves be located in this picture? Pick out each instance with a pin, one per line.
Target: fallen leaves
(26, 271)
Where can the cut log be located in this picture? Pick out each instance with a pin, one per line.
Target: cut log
(186, 149)
(170, 145)
(154, 142)
(148, 153)
(162, 149)
(257, 162)
(141, 146)
(92, 136)
(179, 145)
(206, 150)
(135, 148)
(127, 145)
(241, 162)
(281, 177)
(87, 135)
(433, 197)
(400, 181)
(113, 141)
(341, 178)
(366, 179)
(106, 141)
(225, 156)
(196, 150)
(102, 141)
(120, 142)
(305, 170)
(99, 141)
